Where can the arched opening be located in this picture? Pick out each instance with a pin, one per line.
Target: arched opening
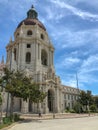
(17, 35)
(30, 106)
(29, 32)
(51, 100)
(44, 58)
(42, 36)
(28, 57)
(15, 51)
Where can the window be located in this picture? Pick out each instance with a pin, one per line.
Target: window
(44, 57)
(15, 54)
(17, 35)
(42, 36)
(68, 97)
(29, 32)
(65, 96)
(28, 57)
(28, 46)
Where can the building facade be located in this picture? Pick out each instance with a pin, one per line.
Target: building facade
(2, 65)
(32, 52)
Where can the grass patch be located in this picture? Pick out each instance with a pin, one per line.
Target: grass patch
(9, 120)
(5, 125)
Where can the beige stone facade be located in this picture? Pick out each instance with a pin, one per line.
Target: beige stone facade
(32, 52)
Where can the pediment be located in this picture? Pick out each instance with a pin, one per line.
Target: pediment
(51, 81)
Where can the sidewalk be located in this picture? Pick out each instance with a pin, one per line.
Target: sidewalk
(56, 116)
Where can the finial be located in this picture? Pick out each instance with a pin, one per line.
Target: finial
(11, 39)
(32, 14)
(22, 23)
(2, 60)
(32, 6)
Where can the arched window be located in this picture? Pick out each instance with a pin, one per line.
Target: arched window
(29, 32)
(15, 54)
(44, 57)
(28, 57)
(17, 35)
(42, 36)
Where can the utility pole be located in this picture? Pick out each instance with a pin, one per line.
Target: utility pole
(77, 85)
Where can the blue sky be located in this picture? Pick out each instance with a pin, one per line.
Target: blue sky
(72, 26)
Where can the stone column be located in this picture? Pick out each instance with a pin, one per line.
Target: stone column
(60, 100)
(57, 109)
(36, 46)
(25, 107)
(46, 109)
(39, 52)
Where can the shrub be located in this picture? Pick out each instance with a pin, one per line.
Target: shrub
(16, 117)
(7, 120)
(93, 108)
(72, 111)
(78, 108)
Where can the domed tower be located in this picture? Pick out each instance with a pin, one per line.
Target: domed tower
(32, 52)
(31, 48)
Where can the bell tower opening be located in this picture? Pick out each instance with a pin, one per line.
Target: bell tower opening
(44, 57)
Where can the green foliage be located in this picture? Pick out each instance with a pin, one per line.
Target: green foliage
(4, 125)
(95, 98)
(67, 109)
(85, 99)
(72, 111)
(0, 99)
(36, 95)
(7, 120)
(78, 108)
(93, 108)
(18, 85)
(12, 118)
(16, 117)
(0, 91)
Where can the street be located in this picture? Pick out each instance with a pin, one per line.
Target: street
(85, 123)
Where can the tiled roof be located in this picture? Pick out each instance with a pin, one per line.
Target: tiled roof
(29, 21)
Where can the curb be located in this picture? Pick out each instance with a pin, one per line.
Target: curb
(8, 127)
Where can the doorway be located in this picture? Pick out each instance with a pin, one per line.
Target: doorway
(51, 100)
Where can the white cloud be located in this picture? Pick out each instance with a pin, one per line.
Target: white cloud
(53, 13)
(76, 11)
(89, 65)
(68, 62)
(73, 39)
(70, 82)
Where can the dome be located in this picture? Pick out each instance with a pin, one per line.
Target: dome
(30, 21)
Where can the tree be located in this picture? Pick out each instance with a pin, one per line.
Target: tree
(86, 99)
(18, 85)
(0, 99)
(93, 108)
(0, 91)
(77, 107)
(95, 98)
